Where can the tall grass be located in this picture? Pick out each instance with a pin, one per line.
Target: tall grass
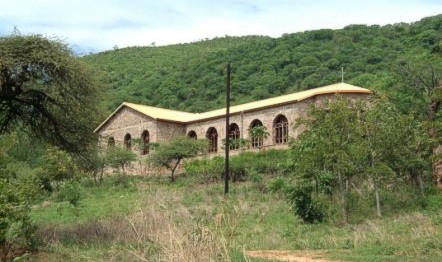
(189, 221)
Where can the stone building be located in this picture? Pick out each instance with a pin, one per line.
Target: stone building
(152, 124)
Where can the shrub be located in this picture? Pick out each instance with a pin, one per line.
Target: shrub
(70, 192)
(16, 229)
(57, 166)
(207, 170)
(277, 185)
(303, 205)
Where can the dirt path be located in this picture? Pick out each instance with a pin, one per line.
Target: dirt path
(289, 256)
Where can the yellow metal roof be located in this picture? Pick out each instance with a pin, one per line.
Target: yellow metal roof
(185, 117)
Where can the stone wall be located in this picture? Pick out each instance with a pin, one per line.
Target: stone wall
(129, 121)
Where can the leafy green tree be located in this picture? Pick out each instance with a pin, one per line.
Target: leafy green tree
(427, 81)
(386, 137)
(46, 91)
(118, 157)
(331, 135)
(170, 155)
(364, 140)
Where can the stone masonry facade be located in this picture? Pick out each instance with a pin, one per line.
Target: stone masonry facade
(127, 122)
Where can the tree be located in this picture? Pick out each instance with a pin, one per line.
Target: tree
(370, 140)
(170, 155)
(46, 91)
(426, 79)
(387, 137)
(328, 144)
(117, 157)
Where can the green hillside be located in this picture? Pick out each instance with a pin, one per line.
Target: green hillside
(192, 76)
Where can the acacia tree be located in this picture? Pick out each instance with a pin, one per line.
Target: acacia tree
(170, 155)
(118, 156)
(46, 91)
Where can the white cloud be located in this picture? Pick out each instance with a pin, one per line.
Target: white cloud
(101, 24)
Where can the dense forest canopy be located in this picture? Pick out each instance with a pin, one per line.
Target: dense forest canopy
(186, 76)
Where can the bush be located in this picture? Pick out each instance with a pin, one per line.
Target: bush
(277, 185)
(16, 229)
(70, 192)
(303, 205)
(57, 166)
(208, 170)
(243, 166)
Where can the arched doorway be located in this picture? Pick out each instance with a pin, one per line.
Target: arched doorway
(212, 136)
(128, 141)
(145, 140)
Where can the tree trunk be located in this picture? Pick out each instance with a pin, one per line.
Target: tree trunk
(437, 167)
(172, 178)
(378, 199)
(421, 183)
(437, 149)
(343, 198)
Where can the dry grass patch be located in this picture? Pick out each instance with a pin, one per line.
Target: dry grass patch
(289, 256)
(153, 233)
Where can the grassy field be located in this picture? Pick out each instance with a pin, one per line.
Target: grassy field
(150, 219)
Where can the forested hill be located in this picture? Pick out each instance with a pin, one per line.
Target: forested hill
(191, 76)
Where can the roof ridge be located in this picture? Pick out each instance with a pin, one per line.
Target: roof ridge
(183, 117)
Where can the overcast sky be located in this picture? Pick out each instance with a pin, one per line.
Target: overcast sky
(97, 25)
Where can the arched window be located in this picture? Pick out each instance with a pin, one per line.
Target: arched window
(192, 134)
(256, 137)
(128, 141)
(145, 139)
(111, 142)
(281, 130)
(212, 136)
(234, 136)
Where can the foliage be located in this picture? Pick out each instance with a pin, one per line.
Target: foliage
(303, 205)
(185, 76)
(118, 157)
(170, 155)
(207, 170)
(239, 143)
(277, 185)
(71, 192)
(46, 91)
(259, 132)
(328, 144)
(364, 143)
(16, 229)
(57, 166)
(244, 166)
(16, 192)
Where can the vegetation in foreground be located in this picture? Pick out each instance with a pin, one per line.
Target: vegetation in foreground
(151, 219)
